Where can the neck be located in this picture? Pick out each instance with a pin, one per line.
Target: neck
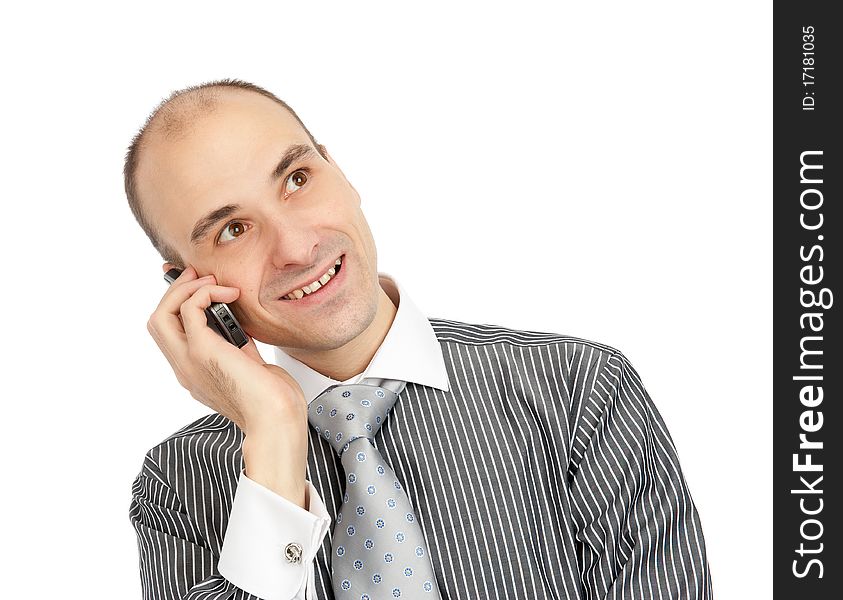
(347, 361)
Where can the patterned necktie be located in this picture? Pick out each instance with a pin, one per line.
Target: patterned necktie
(378, 547)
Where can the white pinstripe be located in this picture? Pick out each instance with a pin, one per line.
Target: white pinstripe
(545, 472)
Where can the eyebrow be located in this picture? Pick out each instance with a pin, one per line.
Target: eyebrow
(204, 225)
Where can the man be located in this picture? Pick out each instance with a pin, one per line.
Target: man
(533, 465)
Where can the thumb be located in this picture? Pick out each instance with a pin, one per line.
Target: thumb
(251, 350)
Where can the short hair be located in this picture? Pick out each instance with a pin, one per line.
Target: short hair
(171, 118)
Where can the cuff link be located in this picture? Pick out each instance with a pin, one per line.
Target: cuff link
(293, 552)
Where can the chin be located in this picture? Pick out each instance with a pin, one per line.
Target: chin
(325, 337)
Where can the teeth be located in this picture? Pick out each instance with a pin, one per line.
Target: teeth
(309, 289)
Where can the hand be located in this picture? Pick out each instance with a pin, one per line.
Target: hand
(260, 398)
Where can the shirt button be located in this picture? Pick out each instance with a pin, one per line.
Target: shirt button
(293, 552)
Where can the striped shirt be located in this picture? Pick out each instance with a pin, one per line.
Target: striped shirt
(544, 471)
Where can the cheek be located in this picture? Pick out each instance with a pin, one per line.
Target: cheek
(236, 276)
(361, 226)
(340, 196)
(247, 308)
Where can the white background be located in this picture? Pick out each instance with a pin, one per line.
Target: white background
(596, 169)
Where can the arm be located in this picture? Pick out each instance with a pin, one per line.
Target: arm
(638, 530)
(265, 403)
(176, 563)
(260, 527)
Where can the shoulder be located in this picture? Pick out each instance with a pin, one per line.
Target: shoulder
(578, 359)
(193, 472)
(212, 441)
(458, 332)
(209, 426)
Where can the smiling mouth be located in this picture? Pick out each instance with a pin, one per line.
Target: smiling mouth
(317, 285)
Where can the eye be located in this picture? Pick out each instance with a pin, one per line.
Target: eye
(296, 180)
(231, 230)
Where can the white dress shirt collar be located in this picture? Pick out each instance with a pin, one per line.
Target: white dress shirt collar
(409, 352)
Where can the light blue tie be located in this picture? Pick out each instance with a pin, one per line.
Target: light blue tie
(378, 547)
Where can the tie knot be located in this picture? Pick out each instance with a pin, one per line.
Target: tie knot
(343, 413)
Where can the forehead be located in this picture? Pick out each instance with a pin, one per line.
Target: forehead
(219, 156)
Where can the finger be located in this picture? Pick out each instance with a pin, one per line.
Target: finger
(167, 317)
(175, 351)
(251, 350)
(165, 324)
(180, 290)
(200, 337)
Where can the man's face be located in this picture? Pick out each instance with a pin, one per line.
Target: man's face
(290, 227)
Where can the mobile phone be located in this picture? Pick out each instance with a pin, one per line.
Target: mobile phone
(220, 318)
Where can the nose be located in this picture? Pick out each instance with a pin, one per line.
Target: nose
(293, 245)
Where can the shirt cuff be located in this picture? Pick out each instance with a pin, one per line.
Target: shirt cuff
(260, 527)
